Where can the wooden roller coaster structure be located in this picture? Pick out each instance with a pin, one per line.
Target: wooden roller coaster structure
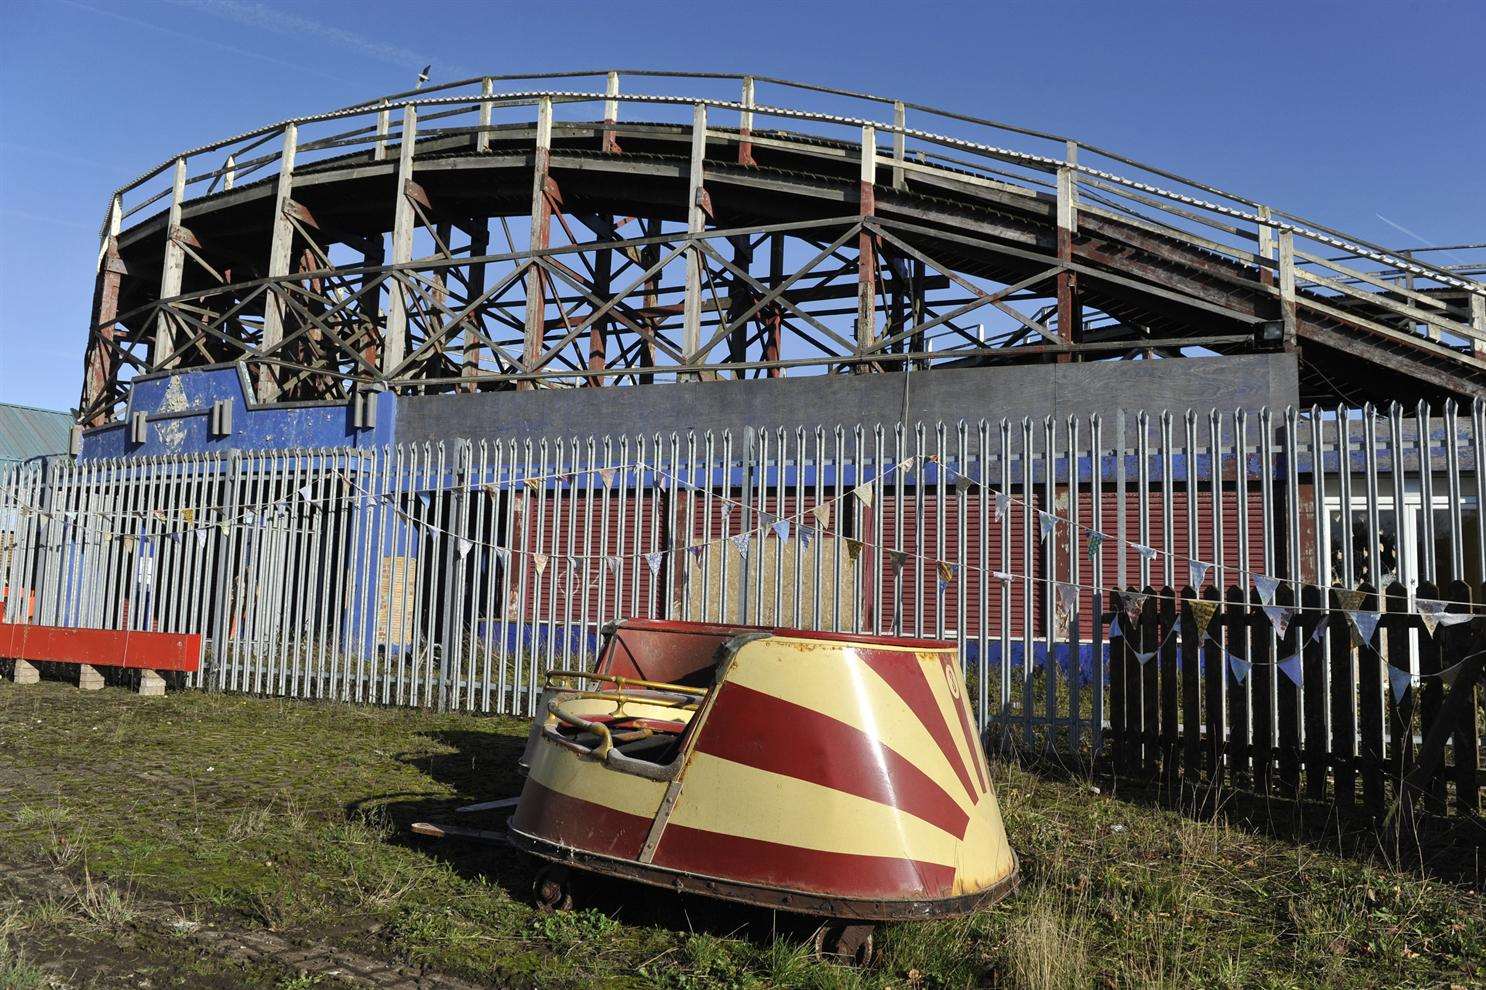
(722, 236)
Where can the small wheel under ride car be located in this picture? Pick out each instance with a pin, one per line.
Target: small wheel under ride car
(838, 941)
(553, 888)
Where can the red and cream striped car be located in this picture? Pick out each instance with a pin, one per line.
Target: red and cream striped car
(825, 773)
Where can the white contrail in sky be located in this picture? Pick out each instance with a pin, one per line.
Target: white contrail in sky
(1421, 240)
(267, 18)
(208, 41)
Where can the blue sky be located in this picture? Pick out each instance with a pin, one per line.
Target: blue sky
(1365, 115)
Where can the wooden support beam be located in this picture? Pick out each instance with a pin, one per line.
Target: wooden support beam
(1070, 310)
(1288, 313)
(866, 322)
(696, 213)
(900, 118)
(1266, 245)
(745, 124)
(280, 247)
(395, 343)
(649, 259)
(739, 298)
(384, 124)
(479, 246)
(482, 138)
(541, 237)
(598, 330)
(171, 272)
(1478, 323)
(102, 363)
(773, 316)
(368, 302)
(611, 114)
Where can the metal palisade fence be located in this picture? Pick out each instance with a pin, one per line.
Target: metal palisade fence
(454, 575)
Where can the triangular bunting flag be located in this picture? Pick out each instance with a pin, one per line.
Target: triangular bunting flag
(505, 557)
(741, 542)
(1145, 657)
(805, 534)
(1432, 613)
(1400, 680)
(1003, 503)
(863, 492)
(654, 559)
(535, 484)
(465, 545)
(1067, 601)
(189, 515)
(1266, 586)
(1448, 675)
(1002, 576)
(425, 498)
(853, 549)
(1134, 603)
(1349, 600)
(607, 476)
(1291, 666)
(307, 492)
(1197, 572)
(201, 537)
(1149, 553)
(1365, 624)
(946, 574)
(1202, 612)
(963, 485)
(1114, 627)
(697, 551)
(1046, 523)
(539, 561)
(1320, 629)
(1279, 617)
(898, 559)
(822, 514)
(1241, 667)
(906, 465)
(1096, 542)
(615, 562)
(781, 530)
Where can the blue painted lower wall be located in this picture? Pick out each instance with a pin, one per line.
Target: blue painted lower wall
(178, 409)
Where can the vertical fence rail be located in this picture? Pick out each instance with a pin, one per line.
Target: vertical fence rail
(1060, 556)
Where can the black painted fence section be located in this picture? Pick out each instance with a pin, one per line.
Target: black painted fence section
(1185, 716)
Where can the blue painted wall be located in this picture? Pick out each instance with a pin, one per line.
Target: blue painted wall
(178, 407)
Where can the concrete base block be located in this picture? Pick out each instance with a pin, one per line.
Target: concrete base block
(88, 678)
(26, 673)
(151, 684)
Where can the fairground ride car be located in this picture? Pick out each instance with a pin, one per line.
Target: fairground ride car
(822, 773)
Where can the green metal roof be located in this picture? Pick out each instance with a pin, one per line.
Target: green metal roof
(27, 432)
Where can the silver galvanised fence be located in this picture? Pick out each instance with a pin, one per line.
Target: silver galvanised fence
(453, 575)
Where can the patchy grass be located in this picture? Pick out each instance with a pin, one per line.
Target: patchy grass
(292, 816)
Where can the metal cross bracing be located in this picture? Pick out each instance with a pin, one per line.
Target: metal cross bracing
(467, 237)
